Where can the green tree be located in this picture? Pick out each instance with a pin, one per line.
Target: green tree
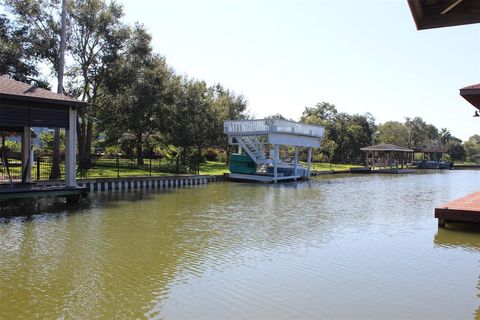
(277, 116)
(416, 132)
(456, 151)
(324, 114)
(17, 59)
(96, 41)
(140, 93)
(444, 136)
(344, 135)
(42, 23)
(472, 146)
(194, 119)
(393, 132)
(421, 134)
(226, 105)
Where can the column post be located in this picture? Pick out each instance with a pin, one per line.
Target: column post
(309, 160)
(70, 149)
(295, 164)
(275, 162)
(26, 155)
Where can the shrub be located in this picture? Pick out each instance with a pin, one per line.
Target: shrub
(211, 154)
(222, 157)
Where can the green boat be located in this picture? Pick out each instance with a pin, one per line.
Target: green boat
(242, 163)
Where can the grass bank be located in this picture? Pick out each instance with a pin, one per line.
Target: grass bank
(212, 167)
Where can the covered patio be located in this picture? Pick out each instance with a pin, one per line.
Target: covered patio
(22, 107)
(432, 158)
(386, 156)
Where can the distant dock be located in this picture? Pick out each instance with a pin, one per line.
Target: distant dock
(382, 171)
(466, 209)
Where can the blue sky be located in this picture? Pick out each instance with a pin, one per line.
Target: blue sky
(362, 56)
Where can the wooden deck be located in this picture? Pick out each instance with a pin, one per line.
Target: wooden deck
(466, 209)
(18, 191)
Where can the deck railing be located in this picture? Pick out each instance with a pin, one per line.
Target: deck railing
(269, 126)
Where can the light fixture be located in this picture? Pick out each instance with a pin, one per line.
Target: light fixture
(476, 114)
(453, 5)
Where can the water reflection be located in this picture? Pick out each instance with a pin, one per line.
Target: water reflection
(333, 247)
(460, 236)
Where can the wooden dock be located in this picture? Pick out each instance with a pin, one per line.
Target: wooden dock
(72, 194)
(466, 209)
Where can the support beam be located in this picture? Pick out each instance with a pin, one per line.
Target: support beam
(276, 156)
(26, 155)
(70, 149)
(295, 164)
(309, 160)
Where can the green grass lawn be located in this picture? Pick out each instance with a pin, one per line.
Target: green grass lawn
(210, 168)
(459, 164)
(325, 166)
(214, 168)
(123, 172)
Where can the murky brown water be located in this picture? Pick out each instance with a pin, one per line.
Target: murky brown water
(342, 247)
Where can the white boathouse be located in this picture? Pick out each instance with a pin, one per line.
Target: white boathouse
(252, 136)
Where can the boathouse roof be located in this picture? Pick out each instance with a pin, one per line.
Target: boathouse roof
(24, 105)
(20, 91)
(430, 14)
(265, 126)
(386, 147)
(472, 94)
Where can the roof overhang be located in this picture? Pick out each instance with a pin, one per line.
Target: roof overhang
(384, 147)
(42, 101)
(14, 92)
(472, 94)
(430, 14)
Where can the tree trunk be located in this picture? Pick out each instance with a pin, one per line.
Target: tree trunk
(82, 146)
(139, 148)
(184, 155)
(55, 173)
(228, 151)
(88, 143)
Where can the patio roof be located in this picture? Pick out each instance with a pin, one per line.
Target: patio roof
(444, 13)
(472, 94)
(15, 90)
(385, 147)
(23, 105)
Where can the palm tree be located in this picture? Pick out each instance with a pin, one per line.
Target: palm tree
(444, 136)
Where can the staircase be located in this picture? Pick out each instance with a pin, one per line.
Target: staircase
(253, 147)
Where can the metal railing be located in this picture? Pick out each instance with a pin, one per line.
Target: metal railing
(100, 167)
(265, 126)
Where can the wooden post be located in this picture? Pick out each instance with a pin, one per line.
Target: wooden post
(38, 168)
(26, 155)
(441, 222)
(309, 160)
(70, 149)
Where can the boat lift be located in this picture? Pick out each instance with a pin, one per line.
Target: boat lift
(252, 136)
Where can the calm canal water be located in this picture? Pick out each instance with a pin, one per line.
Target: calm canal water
(336, 247)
